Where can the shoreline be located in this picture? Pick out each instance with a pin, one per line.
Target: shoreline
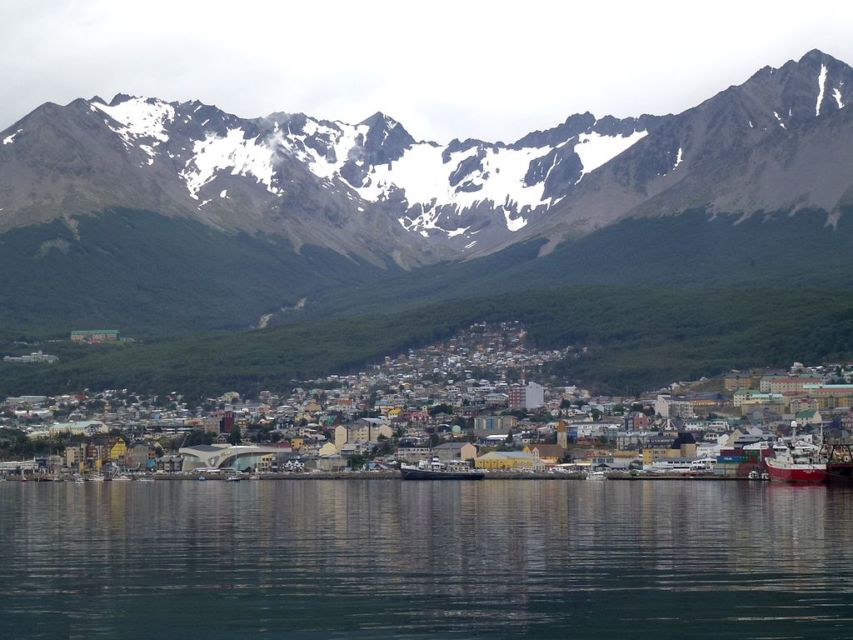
(395, 475)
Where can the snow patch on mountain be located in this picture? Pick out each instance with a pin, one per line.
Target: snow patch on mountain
(433, 181)
(242, 156)
(821, 83)
(424, 177)
(595, 149)
(513, 224)
(140, 118)
(340, 139)
(837, 95)
(678, 158)
(10, 139)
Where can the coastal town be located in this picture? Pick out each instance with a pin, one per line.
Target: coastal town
(483, 399)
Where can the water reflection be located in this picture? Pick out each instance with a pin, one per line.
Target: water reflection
(390, 559)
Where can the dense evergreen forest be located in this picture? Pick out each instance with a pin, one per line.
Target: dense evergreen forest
(635, 338)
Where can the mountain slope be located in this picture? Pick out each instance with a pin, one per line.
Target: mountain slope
(105, 204)
(686, 162)
(148, 274)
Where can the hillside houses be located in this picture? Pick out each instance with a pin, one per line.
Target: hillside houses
(484, 391)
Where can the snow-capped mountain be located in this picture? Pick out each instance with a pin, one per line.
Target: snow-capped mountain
(373, 191)
(440, 188)
(313, 181)
(114, 209)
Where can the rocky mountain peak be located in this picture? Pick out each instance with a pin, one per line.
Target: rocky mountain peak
(467, 196)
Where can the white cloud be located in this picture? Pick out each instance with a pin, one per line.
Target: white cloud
(445, 69)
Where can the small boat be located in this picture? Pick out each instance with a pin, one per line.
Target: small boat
(145, 479)
(96, 478)
(122, 478)
(233, 478)
(202, 478)
(437, 470)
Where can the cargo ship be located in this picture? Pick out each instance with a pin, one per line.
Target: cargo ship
(437, 470)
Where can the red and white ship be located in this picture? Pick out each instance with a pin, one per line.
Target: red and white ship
(802, 466)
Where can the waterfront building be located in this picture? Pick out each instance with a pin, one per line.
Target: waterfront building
(669, 446)
(509, 461)
(549, 454)
(240, 457)
(450, 451)
(118, 452)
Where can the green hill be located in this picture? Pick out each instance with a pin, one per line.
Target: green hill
(636, 339)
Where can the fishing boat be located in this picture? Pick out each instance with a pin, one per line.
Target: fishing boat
(839, 461)
(437, 470)
(801, 465)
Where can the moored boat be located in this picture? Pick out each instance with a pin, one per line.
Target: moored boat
(437, 470)
(839, 461)
(796, 467)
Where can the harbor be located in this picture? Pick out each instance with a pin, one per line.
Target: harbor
(475, 559)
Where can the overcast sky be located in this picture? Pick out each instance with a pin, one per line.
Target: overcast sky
(485, 69)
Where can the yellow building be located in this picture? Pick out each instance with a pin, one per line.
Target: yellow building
(328, 449)
(509, 460)
(663, 447)
(118, 451)
(265, 463)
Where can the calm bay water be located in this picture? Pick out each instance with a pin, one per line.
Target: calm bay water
(387, 559)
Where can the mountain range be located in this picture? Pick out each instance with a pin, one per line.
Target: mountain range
(145, 213)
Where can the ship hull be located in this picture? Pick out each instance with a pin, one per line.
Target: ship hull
(413, 473)
(796, 473)
(839, 472)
